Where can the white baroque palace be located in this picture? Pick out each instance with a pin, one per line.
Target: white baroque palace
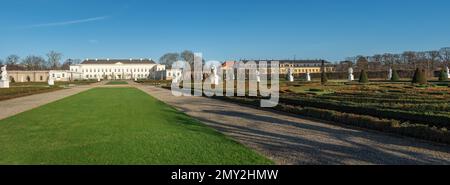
(116, 69)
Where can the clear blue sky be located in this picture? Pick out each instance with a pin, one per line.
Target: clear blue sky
(222, 29)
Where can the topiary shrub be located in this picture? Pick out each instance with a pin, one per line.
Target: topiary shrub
(363, 78)
(443, 76)
(395, 76)
(323, 78)
(419, 77)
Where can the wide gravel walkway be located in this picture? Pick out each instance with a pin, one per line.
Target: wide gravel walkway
(289, 139)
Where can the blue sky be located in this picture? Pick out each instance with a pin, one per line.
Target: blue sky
(222, 29)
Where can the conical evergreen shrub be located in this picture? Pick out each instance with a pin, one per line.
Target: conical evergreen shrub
(443, 75)
(419, 77)
(395, 76)
(323, 78)
(363, 78)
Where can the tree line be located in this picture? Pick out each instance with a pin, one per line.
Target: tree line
(52, 61)
(408, 60)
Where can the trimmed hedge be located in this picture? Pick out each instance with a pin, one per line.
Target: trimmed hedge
(386, 125)
(418, 117)
(443, 75)
(395, 76)
(419, 77)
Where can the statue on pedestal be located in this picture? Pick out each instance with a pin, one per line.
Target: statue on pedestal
(390, 74)
(4, 74)
(258, 78)
(50, 81)
(4, 81)
(308, 77)
(290, 75)
(448, 72)
(214, 77)
(176, 78)
(350, 74)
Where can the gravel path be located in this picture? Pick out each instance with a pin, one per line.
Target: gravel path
(293, 140)
(17, 105)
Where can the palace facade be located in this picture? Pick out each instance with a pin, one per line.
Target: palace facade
(113, 69)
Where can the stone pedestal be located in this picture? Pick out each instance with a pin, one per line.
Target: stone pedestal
(350, 74)
(4, 84)
(215, 79)
(258, 78)
(290, 78)
(351, 77)
(51, 82)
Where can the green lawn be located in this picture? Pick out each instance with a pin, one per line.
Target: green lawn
(117, 83)
(115, 126)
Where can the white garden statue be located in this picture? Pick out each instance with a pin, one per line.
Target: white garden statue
(258, 77)
(308, 77)
(290, 75)
(390, 74)
(350, 74)
(176, 77)
(448, 72)
(50, 81)
(4, 81)
(214, 77)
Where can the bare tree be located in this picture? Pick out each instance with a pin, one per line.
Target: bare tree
(66, 65)
(409, 58)
(12, 60)
(362, 62)
(54, 59)
(169, 58)
(188, 56)
(434, 58)
(445, 55)
(33, 62)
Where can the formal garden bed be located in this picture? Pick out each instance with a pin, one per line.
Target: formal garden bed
(15, 92)
(116, 83)
(421, 111)
(155, 82)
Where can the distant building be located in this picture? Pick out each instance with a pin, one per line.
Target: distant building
(28, 76)
(228, 65)
(117, 68)
(298, 66)
(40, 76)
(167, 74)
